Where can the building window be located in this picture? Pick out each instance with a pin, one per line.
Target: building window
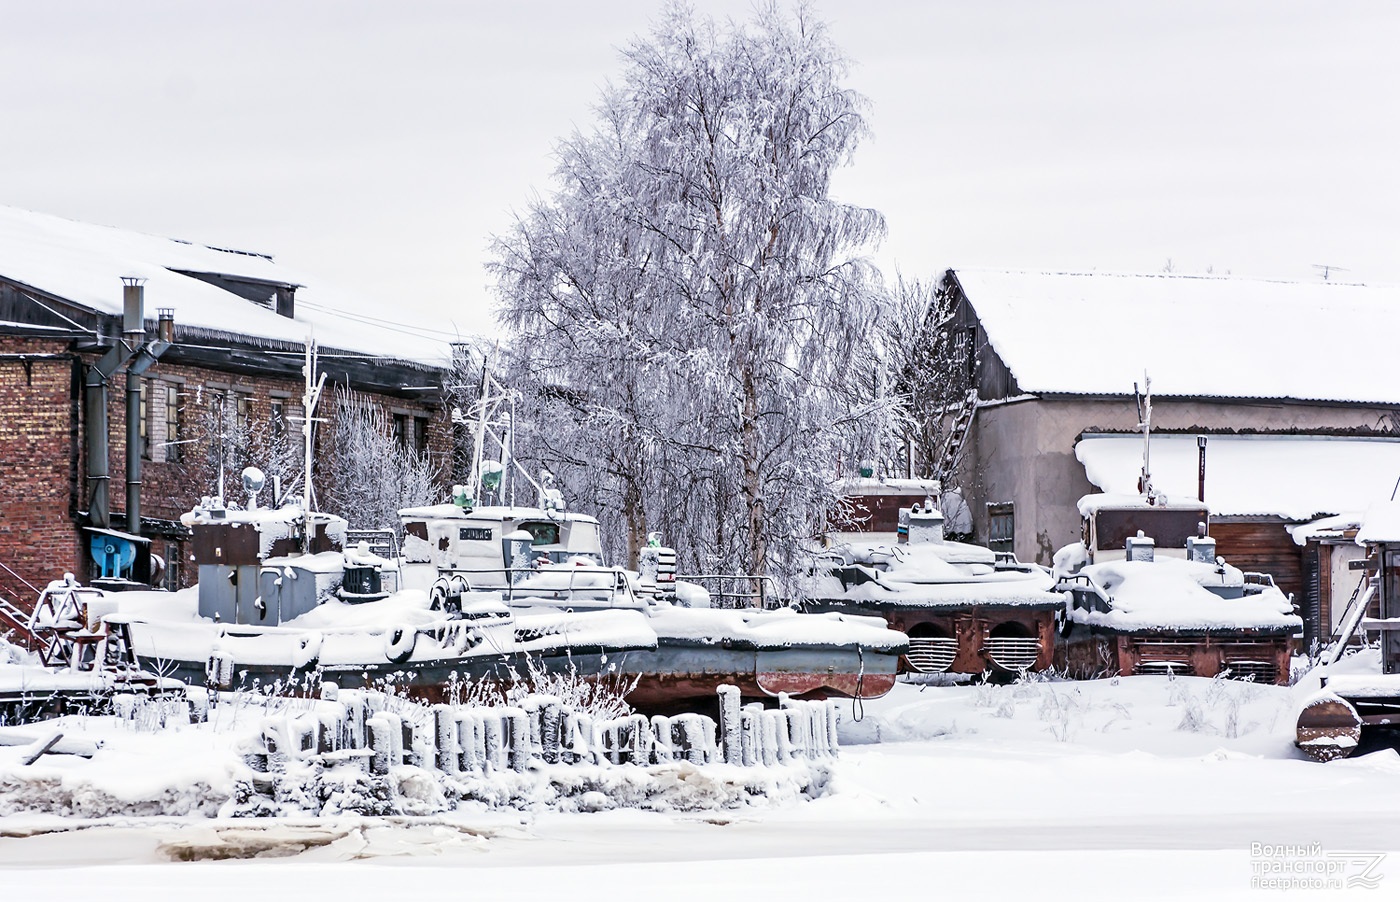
(400, 430)
(277, 420)
(1001, 526)
(420, 435)
(173, 444)
(241, 405)
(173, 567)
(145, 425)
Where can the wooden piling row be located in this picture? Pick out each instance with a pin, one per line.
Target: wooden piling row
(378, 733)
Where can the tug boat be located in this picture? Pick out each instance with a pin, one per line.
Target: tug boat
(272, 607)
(545, 559)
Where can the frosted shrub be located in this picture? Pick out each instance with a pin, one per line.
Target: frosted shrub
(603, 698)
(1193, 719)
(1057, 710)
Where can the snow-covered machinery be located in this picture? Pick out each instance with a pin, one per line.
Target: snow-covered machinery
(1348, 706)
(966, 609)
(1150, 595)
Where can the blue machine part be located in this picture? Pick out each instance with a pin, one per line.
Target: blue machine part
(113, 554)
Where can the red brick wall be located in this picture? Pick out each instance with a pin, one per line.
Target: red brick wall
(38, 539)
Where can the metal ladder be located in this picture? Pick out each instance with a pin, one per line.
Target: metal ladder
(1352, 616)
(15, 619)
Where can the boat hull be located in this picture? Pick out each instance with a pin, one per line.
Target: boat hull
(679, 674)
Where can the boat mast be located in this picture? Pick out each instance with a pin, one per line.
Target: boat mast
(309, 398)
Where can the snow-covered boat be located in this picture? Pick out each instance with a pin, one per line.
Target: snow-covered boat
(273, 606)
(548, 560)
(1150, 595)
(966, 609)
(1349, 706)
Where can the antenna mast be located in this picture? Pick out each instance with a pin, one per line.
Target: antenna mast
(1144, 405)
(309, 399)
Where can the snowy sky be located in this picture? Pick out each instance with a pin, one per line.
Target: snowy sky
(386, 141)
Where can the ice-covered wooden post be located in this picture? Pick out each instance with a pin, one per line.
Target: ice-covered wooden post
(492, 741)
(520, 745)
(768, 722)
(380, 730)
(471, 736)
(356, 712)
(730, 728)
(549, 731)
(663, 739)
(448, 750)
(751, 737)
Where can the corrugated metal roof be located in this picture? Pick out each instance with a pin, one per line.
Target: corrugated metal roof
(1096, 334)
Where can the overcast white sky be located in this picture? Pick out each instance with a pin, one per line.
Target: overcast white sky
(381, 143)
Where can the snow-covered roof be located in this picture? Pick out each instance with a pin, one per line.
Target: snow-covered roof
(84, 263)
(1091, 504)
(1297, 477)
(1381, 523)
(889, 485)
(1096, 334)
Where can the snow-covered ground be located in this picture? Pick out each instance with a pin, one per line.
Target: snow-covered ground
(1143, 787)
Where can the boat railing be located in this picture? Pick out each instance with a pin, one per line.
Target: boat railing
(737, 590)
(1085, 593)
(515, 584)
(1254, 583)
(382, 542)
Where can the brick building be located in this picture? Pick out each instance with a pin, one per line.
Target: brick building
(211, 365)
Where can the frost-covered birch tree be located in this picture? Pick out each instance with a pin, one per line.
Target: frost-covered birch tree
(691, 308)
(367, 476)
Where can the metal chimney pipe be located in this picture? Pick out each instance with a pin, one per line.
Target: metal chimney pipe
(134, 328)
(133, 305)
(1201, 468)
(165, 326)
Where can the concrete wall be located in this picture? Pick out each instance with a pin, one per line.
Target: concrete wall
(1023, 451)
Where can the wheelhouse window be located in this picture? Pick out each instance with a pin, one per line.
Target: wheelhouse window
(542, 533)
